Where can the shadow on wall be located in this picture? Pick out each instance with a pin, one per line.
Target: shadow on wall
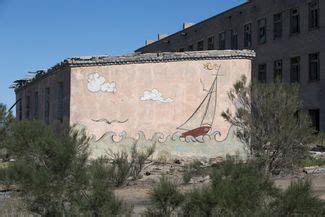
(170, 147)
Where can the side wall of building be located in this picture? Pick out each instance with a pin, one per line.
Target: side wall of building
(46, 99)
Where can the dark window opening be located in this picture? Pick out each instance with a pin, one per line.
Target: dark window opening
(181, 50)
(261, 31)
(190, 47)
(28, 107)
(36, 105)
(248, 35)
(295, 69)
(200, 45)
(262, 73)
(277, 26)
(211, 43)
(47, 106)
(313, 14)
(234, 40)
(222, 41)
(20, 110)
(278, 70)
(61, 102)
(314, 67)
(294, 21)
(314, 116)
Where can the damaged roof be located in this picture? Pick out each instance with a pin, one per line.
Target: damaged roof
(135, 58)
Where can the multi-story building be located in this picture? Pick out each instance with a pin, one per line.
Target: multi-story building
(287, 35)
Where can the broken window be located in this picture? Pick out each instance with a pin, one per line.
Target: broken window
(262, 73)
(234, 40)
(190, 47)
(222, 40)
(295, 70)
(20, 110)
(36, 105)
(200, 45)
(47, 106)
(60, 101)
(277, 70)
(277, 26)
(314, 116)
(211, 43)
(314, 67)
(248, 35)
(294, 21)
(28, 107)
(261, 31)
(313, 14)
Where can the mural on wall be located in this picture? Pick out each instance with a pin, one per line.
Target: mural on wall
(154, 95)
(175, 105)
(201, 121)
(97, 83)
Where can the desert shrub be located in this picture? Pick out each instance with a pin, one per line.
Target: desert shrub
(98, 199)
(312, 161)
(54, 175)
(236, 188)
(165, 198)
(271, 123)
(6, 118)
(125, 165)
(298, 200)
(192, 169)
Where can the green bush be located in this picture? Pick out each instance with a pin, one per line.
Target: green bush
(165, 198)
(298, 200)
(191, 170)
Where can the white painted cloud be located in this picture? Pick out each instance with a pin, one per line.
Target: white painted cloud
(97, 83)
(155, 95)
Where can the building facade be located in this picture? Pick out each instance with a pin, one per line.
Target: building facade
(288, 37)
(175, 99)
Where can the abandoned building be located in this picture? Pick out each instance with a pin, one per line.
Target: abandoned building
(137, 92)
(288, 37)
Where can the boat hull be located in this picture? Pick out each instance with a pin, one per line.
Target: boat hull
(200, 131)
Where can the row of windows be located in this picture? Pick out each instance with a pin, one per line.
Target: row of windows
(34, 114)
(313, 23)
(313, 72)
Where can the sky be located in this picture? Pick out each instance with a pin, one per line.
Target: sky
(37, 34)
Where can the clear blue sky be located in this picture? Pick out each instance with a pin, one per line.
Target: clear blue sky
(36, 34)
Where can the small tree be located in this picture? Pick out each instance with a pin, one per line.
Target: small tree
(270, 123)
(6, 118)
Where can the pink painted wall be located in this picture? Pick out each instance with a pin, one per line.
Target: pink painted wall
(178, 82)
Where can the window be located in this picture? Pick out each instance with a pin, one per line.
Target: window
(20, 110)
(313, 14)
(211, 43)
(36, 105)
(222, 40)
(60, 101)
(234, 40)
(190, 47)
(47, 106)
(28, 107)
(294, 21)
(278, 70)
(295, 69)
(248, 35)
(314, 116)
(262, 73)
(200, 45)
(277, 26)
(181, 50)
(261, 31)
(314, 67)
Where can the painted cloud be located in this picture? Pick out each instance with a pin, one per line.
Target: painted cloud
(98, 83)
(155, 95)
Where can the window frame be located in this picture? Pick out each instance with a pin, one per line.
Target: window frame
(310, 62)
(262, 31)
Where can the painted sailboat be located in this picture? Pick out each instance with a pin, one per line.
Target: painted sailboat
(201, 121)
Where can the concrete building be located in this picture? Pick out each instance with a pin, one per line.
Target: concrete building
(163, 96)
(287, 35)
